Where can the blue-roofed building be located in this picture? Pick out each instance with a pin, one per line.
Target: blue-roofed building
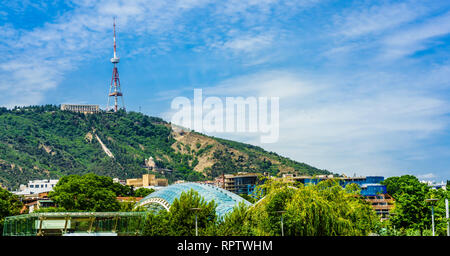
(372, 189)
(164, 198)
(370, 185)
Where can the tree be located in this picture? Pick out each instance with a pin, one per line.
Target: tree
(89, 192)
(9, 205)
(180, 221)
(325, 209)
(157, 224)
(248, 198)
(182, 217)
(411, 210)
(121, 190)
(143, 192)
(236, 223)
(439, 210)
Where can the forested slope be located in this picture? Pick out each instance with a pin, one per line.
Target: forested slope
(44, 142)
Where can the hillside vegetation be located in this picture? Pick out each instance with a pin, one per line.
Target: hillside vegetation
(40, 142)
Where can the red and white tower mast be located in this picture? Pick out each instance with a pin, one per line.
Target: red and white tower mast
(114, 89)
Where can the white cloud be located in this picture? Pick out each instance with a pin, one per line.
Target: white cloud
(376, 18)
(273, 83)
(37, 60)
(426, 176)
(82, 33)
(249, 43)
(353, 134)
(417, 37)
(321, 124)
(387, 31)
(251, 48)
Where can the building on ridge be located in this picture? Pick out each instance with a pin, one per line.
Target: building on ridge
(80, 108)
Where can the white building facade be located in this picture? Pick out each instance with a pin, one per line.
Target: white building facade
(36, 187)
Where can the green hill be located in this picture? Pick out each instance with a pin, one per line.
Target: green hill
(41, 142)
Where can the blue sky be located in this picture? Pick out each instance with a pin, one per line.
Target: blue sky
(363, 85)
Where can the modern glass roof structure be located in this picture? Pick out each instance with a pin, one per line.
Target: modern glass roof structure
(224, 199)
(75, 223)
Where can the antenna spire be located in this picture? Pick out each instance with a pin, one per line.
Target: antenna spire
(114, 89)
(114, 25)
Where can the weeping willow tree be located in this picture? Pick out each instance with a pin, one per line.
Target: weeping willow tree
(236, 223)
(325, 209)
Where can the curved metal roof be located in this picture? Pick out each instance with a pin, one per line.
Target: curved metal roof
(224, 199)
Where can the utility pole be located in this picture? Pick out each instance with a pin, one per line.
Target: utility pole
(196, 226)
(282, 228)
(432, 217)
(432, 201)
(446, 216)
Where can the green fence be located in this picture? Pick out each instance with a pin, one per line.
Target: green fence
(75, 223)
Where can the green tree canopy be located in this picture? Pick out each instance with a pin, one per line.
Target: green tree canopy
(88, 192)
(236, 223)
(9, 205)
(325, 209)
(439, 210)
(411, 210)
(180, 221)
(143, 192)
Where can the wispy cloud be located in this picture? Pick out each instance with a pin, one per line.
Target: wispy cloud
(388, 31)
(373, 19)
(417, 37)
(249, 43)
(250, 48)
(272, 83)
(36, 60)
(82, 33)
(324, 126)
(427, 176)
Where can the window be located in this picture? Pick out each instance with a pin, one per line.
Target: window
(31, 186)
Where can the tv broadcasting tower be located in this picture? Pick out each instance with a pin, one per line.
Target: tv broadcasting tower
(114, 89)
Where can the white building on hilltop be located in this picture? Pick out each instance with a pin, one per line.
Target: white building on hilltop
(36, 187)
(81, 108)
(435, 185)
